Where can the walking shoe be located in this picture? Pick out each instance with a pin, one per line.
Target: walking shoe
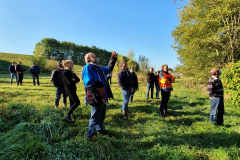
(67, 118)
(56, 107)
(124, 115)
(101, 133)
(93, 139)
(64, 104)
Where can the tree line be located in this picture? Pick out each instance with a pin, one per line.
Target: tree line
(208, 36)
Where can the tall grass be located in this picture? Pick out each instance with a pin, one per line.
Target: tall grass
(30, 127)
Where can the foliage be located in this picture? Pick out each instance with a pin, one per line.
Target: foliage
(39, 55)
(144, 63)
(30, 127)
(208, 36)
(131, 62)
(231, 80)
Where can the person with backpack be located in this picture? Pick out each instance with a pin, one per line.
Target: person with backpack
(98, 91)
(57, 81)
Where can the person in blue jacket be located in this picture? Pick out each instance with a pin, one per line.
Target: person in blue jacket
(35, 71)
(12, 71)
(98, 91)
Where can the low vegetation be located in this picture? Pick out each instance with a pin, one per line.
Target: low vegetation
(30, 127)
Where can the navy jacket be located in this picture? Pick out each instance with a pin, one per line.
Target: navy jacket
(125, 79)
(11, 69)
(35, 70)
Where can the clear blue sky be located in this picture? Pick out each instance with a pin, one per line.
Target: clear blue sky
(143, 25)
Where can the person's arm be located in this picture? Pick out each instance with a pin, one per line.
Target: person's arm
(136, 81)
(76, 78)
(112, 61)
(9, 68)
(67, 76)
(120, 79)
(54, 78)
(210, 88)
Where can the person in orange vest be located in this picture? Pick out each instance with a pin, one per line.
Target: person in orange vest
(165, 80)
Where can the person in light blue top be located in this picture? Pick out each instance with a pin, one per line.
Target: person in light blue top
(95, 80)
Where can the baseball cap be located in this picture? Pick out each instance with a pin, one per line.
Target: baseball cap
(60, 62)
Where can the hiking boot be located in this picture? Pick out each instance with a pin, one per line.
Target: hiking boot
(92, 139)
(100, 133)
(67, 118)
(56, 107)
(64, 104)
(124, 115)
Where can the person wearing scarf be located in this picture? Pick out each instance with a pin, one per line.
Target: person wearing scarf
(95, 78)
(70, 79)
(165, 80)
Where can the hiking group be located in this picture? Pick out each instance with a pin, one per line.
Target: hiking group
(97, 88)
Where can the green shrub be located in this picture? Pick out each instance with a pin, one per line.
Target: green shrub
(231, 80)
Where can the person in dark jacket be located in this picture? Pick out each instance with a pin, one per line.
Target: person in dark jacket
(98, 91)
(69, 80)
(215, 92)
(57, 81)
(135, 84)
(150, 82)
(35, 71)
(19, 69)
(12, 71)
(157, 84)
(125, 82)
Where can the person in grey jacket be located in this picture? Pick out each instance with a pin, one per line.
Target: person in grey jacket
(35, 71)
(57, 81)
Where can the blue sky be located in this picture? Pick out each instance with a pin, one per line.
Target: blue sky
(142, 25)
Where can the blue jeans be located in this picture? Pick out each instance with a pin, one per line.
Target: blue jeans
(126, 95)
(217, 105)
(60, 91)
(12, 76)
(35, 76)
(150, 86)
(157, 90)
(98, 114)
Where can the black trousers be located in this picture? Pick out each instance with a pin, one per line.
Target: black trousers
(109, 78)
(74, 102)
(20, 78)
(164, 102)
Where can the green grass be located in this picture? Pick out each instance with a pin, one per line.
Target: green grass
(30, 127)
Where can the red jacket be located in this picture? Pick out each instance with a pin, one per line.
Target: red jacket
(165, 81)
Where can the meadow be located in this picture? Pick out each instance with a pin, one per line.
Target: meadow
(30, 127)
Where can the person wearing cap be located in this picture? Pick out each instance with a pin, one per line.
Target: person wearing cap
(215, 92)
(98, 91)
(35, 71)
(57, 81)
(12, 71)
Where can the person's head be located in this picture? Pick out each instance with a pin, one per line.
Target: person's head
(215, 72)
(13, 63)
(91, 58)
(123, 65)
(132, 69)
(19, 62)
(59, 64)
(34, 64)
(165, 68)
(151, 70)
(67, 64)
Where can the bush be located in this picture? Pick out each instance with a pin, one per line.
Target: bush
(231, 79)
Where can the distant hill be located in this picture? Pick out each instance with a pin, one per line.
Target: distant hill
(7, 58)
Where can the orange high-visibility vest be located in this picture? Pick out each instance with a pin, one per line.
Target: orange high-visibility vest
(164, 83)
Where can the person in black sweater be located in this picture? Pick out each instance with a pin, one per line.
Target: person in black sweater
(125, 82)
(19, 69)
(70, 79)
(57, 81)
(135, 84)
(157, 84)
(150, 82)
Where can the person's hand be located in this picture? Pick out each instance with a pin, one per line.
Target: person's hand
(137, 88)
(114, 54)
(73, 79)
(170, 79)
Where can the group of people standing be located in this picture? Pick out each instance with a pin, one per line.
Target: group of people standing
(17, 70)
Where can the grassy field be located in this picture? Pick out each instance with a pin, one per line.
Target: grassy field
(30, 127)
